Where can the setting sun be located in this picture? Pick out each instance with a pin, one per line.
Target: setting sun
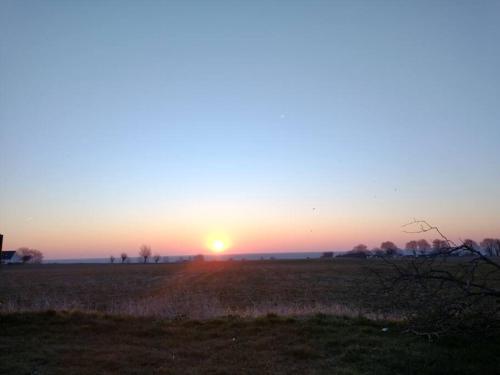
(218, 242)
(218, 246)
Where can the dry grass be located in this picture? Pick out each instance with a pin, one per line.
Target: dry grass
(194, 290)
(114, 322)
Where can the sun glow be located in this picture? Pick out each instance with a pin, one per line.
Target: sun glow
(218, 243)
(218, 246)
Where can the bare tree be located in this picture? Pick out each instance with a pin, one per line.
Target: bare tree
(358, 251)
(471, 243)
(111, 259)
(412, 247)
(438, 245)
(24, 253)
(491, 246)
(30, 255)
(156, 258)
(423, 246)
(145, 252)
(124, 257)
(360, 248)
(437, 296)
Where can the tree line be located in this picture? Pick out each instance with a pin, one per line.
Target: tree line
(422, 247)
(146, 255)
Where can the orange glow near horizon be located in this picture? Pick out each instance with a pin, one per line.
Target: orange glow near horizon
(254, 228)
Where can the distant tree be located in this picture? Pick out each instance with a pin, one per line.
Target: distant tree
(30, 255)
(389, 248)
(437, 298)
(358, 251)
(124, 257)
(25, 258)
(497, 247)
(24, 254)
(111, 259)
(438, 245)
(471, 243)
(145, 252)
(36, 256)
(412, 247)
(491, 246)
(360, 248)
(156, 258)
(423, 246)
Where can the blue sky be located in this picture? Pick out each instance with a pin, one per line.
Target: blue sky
(191, 117)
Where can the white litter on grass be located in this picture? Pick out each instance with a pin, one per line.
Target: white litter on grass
(385, 329)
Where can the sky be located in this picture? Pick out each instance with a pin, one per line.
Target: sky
(270, 125)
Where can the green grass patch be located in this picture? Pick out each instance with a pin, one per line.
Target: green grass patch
(78, 343)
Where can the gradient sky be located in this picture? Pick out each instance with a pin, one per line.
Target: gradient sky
(281, 126)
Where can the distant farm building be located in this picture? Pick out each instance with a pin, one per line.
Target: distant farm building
(10, 257)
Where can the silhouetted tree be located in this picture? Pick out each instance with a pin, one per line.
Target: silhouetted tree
(438, 245)
(111, 259)
(436, 297)
(471, 243)
(124, 257)
(423, 246)
(145, 252)
(360, 248)
(491, 246)
(156, 258)
(412, 247)
(358, 251)
(30, 255)
(389, 248)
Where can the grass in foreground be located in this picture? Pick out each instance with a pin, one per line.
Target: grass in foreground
(77, 343)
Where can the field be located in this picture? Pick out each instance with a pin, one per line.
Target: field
(265, 317)
(192, 290)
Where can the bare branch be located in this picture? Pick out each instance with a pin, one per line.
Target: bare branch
(424, 226)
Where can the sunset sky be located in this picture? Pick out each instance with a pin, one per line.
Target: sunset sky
(271, 125)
